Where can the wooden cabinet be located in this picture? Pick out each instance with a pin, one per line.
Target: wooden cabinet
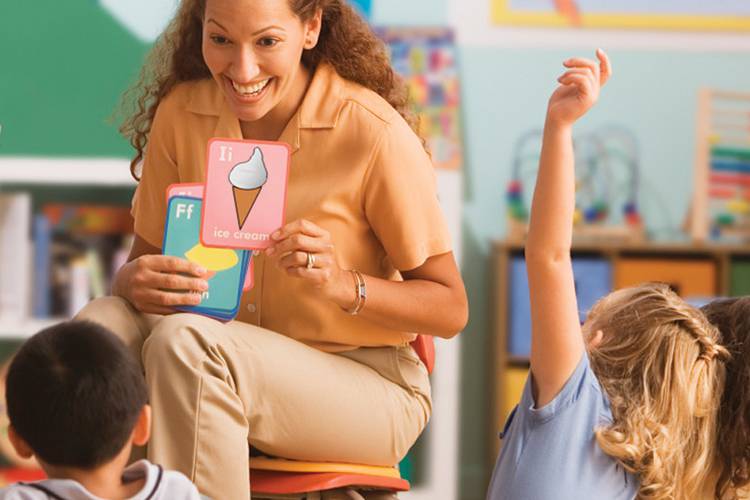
(696, 272)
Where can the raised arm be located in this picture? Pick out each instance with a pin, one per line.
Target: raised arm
(556, 341)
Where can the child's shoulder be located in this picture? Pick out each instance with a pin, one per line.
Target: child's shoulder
(40, 490)
(581, 388)
(165, 484)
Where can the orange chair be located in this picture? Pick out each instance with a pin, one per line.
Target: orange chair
(276, 478)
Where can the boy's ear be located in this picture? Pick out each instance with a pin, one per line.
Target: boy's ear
(22, 447)
(142, 431)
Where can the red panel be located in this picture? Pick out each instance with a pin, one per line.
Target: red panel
(424, 346)
(279, 483)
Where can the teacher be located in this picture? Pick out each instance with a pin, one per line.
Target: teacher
(317, 365)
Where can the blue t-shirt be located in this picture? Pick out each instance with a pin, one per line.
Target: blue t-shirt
(551, 452)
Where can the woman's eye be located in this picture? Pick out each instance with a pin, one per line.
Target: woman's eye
(219, 40)
(267, 42)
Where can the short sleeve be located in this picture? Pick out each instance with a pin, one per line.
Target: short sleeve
(400, 199)
(159, 171)
(580, 380)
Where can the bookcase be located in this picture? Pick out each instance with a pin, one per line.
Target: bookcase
(61, 180)
(697, 272)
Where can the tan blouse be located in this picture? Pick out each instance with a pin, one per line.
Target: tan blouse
(357, 171)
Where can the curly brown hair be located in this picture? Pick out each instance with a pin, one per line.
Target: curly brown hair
(346, 42)
(732, 318)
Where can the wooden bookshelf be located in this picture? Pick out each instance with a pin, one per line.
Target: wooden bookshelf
(30, 173)
(503, 252)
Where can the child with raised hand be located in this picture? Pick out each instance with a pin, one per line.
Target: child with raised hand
(624, 406)
(76, 400)
(732, 317)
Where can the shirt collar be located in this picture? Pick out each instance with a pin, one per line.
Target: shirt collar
(320, 107)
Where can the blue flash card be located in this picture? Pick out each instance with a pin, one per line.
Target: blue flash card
(226, 267)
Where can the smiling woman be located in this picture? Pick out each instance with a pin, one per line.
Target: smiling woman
(318, 365)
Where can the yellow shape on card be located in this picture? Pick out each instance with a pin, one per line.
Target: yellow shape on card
(213, 259)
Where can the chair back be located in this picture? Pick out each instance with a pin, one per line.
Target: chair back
(424, 346)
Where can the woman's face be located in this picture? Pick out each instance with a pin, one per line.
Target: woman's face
(253, 49)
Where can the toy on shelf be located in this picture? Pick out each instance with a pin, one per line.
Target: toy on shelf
(607, 178)
(721, 198)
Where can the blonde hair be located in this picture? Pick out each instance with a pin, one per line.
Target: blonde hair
(661, 365)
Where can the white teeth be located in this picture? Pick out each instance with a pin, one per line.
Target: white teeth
(250, 89)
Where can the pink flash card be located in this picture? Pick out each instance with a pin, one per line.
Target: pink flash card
(249, 280)
(245, 196)
(192, 189)
(195, 190)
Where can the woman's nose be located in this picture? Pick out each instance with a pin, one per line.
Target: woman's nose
(245, 66)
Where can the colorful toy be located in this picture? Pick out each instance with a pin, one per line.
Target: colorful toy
(607, 175)
(721, 198)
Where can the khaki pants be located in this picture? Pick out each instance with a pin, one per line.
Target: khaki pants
(214, 387)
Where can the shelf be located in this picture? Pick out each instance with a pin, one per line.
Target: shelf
(646, 247)
(519, 361)
(84, 171)
(24, 328)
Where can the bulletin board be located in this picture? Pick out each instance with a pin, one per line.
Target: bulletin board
(426, 59)
(697, 15)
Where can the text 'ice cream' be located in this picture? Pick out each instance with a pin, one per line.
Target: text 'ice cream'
(247, 180)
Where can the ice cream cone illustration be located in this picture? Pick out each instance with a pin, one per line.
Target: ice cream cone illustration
(247, 180)
(212, 259)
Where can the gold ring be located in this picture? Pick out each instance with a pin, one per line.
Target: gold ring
(310, 260)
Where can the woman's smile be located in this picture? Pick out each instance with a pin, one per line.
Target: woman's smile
(248, 93)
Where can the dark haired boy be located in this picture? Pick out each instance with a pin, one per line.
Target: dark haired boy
(77, 401)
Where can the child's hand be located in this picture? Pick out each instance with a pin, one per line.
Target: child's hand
(579, 88)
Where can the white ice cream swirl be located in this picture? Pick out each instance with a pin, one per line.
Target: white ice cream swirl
(251, 174)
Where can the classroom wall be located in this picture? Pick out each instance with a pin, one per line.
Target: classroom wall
(46, 109)
(506, 80)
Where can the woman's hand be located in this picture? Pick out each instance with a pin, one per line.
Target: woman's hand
(579, 88)
(157, 283)
(305, 250)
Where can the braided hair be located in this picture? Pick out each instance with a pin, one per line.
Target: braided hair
(661, 364)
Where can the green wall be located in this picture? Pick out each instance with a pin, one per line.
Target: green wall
(65, 65)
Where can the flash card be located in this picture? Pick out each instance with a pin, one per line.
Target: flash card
(191, 189)
(195, 190)
(227, 267)
(245, 193)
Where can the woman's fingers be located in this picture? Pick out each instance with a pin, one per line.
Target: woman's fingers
(300, 242)
(299, 226)
(168, 281)
(170, 264)
(299, 259)
(163, 302)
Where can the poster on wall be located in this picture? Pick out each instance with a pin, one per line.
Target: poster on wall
(364, 7)
(725, 15)
(426, 59)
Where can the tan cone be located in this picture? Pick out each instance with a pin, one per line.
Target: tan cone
(244, 199)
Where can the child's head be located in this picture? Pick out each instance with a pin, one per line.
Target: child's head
(660, 362)
(732, 318)
(74, 396)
